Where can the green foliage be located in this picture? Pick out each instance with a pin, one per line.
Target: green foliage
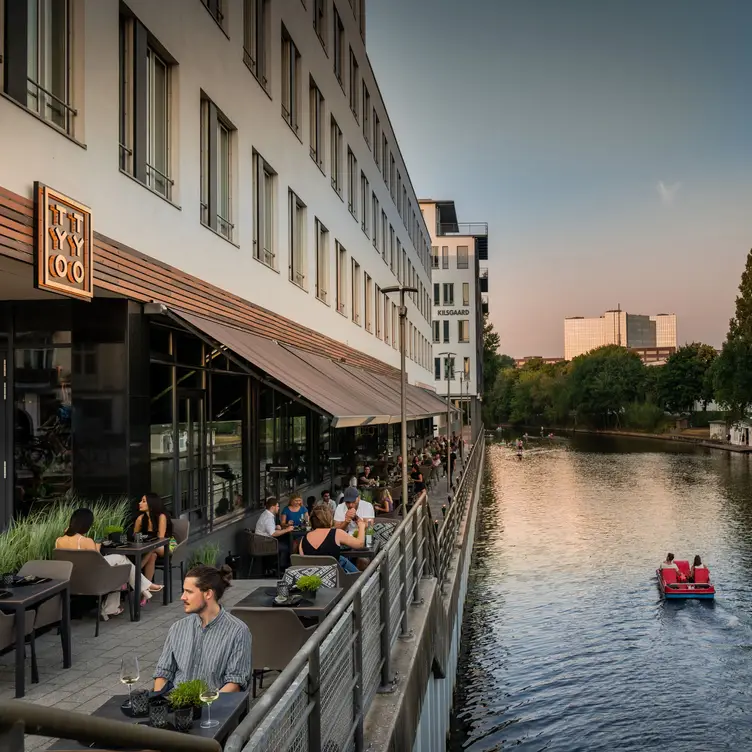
(493, 362)
(206, 554)
(685, 380)
(110, 529)
(187, 694)
(644, 416)
(309, 583)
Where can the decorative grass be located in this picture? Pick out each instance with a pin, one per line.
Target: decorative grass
(206, 554)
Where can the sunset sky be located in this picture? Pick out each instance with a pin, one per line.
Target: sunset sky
(608, 143)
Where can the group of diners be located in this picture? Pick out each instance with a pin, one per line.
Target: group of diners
(152, 519)
(671, 564)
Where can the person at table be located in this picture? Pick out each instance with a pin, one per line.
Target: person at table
(352, 484)
(295, 513)
(385, 504)
(327, 500)
(209, 643)
(417, 477)
(327, 540)
(352, 509)
(267, 521)
(75, 539)
(696, 564)
(153, 519)
(366, 479)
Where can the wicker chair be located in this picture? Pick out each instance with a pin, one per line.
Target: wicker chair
(262, 546)
(345, 580)
(181, 529)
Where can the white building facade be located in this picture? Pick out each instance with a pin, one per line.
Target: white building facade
(460, 300)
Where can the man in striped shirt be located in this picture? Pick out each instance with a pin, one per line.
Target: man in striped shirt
(209, 643)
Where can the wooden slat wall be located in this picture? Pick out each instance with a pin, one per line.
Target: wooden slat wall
(122, 270)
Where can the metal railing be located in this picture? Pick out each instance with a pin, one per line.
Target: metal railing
(463, 228)
(320, 700)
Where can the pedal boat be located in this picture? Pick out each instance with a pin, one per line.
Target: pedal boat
(672, 586)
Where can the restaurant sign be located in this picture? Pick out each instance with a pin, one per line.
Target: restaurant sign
(447, 312)
(63, 253)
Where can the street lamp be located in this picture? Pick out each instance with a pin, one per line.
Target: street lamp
(449, 374)
(401, 289)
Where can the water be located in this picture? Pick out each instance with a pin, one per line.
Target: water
(567, 644)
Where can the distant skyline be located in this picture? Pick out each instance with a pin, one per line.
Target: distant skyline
(607, 143)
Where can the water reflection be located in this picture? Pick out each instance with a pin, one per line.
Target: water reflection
(567, 644)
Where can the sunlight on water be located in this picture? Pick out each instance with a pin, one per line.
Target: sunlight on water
(567, 644)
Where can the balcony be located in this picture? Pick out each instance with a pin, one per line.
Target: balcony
(484, 304)
(483, 280)
(463, 228)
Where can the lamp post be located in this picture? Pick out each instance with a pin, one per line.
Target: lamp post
(401, 289)
(449, 374)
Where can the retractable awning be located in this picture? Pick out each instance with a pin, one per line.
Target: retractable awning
(350, 396)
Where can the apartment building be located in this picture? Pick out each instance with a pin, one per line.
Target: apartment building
(201, 202)
(460, 301)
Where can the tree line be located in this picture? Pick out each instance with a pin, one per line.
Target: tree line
(610, 387)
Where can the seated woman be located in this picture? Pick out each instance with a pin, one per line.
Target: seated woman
(294, 513)
(385, 504)
(417, 478)
(696, 564)
(75, 539)
(669, 563)
(325, 540)
(153, 519)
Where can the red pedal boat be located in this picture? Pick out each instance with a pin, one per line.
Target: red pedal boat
(678, 585)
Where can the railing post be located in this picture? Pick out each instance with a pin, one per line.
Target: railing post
(314, 693)
(403, 585)
(416, 553)
(386, 642)
(358, 666)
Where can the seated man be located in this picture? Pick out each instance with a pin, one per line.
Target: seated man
(209, 643)
(366, 479)
(267, 525)
(352, 509)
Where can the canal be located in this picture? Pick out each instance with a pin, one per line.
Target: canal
(567, 644)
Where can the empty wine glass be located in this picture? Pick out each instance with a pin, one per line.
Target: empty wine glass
(208, 695)
(129, 674)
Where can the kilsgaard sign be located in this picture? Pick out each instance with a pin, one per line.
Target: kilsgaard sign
(450, 312)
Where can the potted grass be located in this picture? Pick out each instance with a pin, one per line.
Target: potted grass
(185, 702)
(309, 585)
(115, 533)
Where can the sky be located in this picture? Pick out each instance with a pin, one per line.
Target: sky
(608, 144)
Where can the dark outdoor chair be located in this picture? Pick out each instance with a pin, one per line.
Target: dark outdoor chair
(262, 547)
(92, 575)
(277, 635)
(181, 529)
(345, 580)
(8, 638)
(383, 529)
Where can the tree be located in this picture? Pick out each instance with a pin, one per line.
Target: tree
(731, 373)
(683, 381)
(493, 362)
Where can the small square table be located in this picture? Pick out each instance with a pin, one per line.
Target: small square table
(136, 551)
(23, 598)
(229, 708)
(360, 553)
(317, 608)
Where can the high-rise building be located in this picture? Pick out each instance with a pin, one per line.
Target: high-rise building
(201, 204)
(460, 300)
(617, 327)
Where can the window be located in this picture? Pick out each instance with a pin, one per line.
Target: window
(216, 10)
(448, 293)
(354, 85)
(339, 47)
(404, 264)
(256, 32)
(375, 219)
(144, 108)
(436, 331)
(355, 291)
(38, 57)
(384, 235)
(436, 294)
(263, 211)
(434, 257)
(395, 327)
(398, 195)
(352, 183)
(335, 147)
(446, 330)
(444, 257)
(391, 248)
(368, 300)
(449, 369)
(362, 18)
(376, 139)
(387, 319)
(437, 369)
(463, 330)
(322, 262)
(296, 239)
(465, 293)
(393, 178)
(216, 170)
(364, 196)
(366, 115)
(341, 280)
(462, 260)
(290, 82)
(466, 368)
(319, 19)
(316, 121)
(378, 311)
(399, 261)
(385, 159)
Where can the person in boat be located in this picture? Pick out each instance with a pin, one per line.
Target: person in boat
(696, 564)
(670, 563)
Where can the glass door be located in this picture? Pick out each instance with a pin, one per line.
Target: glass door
(193, 471)
(6, 469)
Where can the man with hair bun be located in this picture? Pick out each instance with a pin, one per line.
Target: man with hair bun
(209, 643)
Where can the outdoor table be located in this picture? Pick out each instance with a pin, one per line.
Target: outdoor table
(229, 708)
(360, 553)
(136, 551)
(317, 608)
(21, 599)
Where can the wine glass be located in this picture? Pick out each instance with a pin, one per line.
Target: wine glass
(208, 694)
(129, 674)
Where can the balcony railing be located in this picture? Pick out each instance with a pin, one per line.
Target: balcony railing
(463, 228)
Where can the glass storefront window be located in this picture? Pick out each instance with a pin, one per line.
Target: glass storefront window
(266, 441)
(161, 444)
(43, 411)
